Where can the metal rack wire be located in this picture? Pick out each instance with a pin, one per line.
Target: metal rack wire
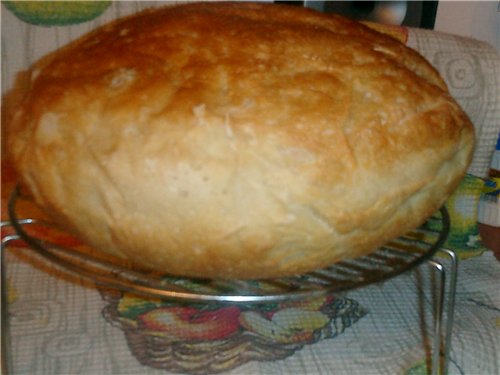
(394, 258)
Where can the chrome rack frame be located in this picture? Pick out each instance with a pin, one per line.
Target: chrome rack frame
(392, 259)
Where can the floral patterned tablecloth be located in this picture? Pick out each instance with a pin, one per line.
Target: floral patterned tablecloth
(60, 326)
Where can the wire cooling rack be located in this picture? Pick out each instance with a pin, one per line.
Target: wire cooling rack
(394, 258)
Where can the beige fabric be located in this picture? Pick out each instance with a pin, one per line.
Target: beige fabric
(58, 328)
(471, 69)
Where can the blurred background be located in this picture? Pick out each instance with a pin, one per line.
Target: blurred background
(475, 19)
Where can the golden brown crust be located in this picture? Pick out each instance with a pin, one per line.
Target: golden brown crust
(238, 140)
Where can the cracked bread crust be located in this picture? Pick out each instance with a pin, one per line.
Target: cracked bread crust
(238, 140)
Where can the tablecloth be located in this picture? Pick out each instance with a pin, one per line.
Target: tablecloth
(58, 326)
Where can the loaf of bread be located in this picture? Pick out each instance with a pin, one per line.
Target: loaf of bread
(238, 140)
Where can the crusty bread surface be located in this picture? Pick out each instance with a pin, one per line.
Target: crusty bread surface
(238, 140)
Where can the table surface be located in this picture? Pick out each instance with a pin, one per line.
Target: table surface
(62, 326)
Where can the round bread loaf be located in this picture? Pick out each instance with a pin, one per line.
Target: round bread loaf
(238, 140)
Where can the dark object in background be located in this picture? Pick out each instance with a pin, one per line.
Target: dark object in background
(420, 14)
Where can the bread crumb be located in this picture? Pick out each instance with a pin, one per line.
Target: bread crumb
(228, 128)
(122, 77)
(199, 112)
(48, 128)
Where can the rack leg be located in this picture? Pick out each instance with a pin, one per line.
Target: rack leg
(6, 359)
(450, 307)
(444, 347)
(438, 318)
